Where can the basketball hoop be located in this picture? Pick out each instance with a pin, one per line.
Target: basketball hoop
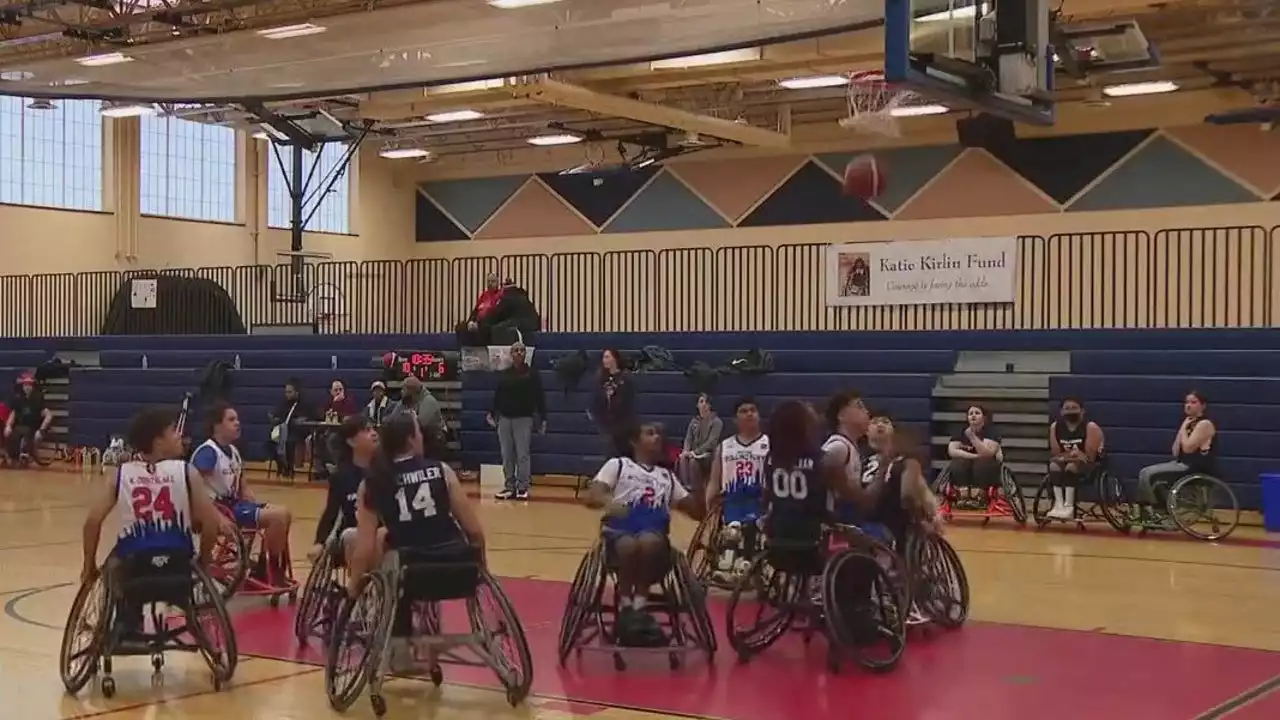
(872, 101)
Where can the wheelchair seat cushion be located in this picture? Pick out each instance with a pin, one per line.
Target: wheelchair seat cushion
(153, 577)
(442, 572)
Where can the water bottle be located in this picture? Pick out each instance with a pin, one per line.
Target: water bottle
(237, 361)
(333, 362)
(144, 362)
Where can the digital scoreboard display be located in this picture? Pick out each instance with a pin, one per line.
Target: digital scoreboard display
(426, 365)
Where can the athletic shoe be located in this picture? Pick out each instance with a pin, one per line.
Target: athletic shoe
(504, 495)
(522, 495)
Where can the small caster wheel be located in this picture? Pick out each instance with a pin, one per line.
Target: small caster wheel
(743, 657)
(513, 697)
(217, 683)
(293, 597)
(274, 600)
(437, 676)
(618, 663)
(1080, 526)
(379, 705)
(986, 521)
(673, 661)
(157, 679)
(157, 662)
(108, 688)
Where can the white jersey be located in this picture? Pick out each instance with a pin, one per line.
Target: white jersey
(856, 467)
(225, 480)
(635, 485)
(742, 465)
(153, 505)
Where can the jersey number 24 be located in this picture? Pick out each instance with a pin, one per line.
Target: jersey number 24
(151, 505)
(423, 503)
(791, 484)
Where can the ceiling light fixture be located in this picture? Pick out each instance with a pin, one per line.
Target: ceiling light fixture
(394, 153)
(114, 58)
(707, 59)
(960, 13)
(815, 81)
(292, 31)
(471, 86)
(125, 111)
(553, 140)
(919, 110)
(514, 4)
(1140, 88)
(454, 116)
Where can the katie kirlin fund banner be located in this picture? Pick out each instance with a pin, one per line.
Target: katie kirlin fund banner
(922, 272)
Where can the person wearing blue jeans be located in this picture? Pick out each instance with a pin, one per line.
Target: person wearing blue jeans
(518, 405)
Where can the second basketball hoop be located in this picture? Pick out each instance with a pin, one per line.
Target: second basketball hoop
(872, 102)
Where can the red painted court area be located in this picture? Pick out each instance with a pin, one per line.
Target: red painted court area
(988, 671)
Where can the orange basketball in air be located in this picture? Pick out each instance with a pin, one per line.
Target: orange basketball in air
(864, 177)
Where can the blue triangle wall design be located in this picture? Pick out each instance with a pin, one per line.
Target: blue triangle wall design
(666, 204)
(1162, 174)
(906, 169)
(472, 201)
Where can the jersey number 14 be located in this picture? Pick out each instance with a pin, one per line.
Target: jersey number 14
(792, 484)
(423, 504)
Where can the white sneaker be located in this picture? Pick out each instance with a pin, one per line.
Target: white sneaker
(1068, 512)
(504, 495)
(1055, 513)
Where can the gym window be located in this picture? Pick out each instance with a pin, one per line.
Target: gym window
(329, 212)
(51, 157)
(188, 170)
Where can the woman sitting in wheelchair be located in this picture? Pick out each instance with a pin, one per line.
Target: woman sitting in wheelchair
(976, 456)
(1076, 444)
(356, 444)
(1194, 451)
(424, 510)
(156, 499)
(637, 495)
(737, 482)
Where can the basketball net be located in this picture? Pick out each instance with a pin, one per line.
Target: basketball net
(872, 102)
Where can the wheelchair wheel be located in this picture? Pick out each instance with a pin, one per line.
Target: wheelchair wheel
(702, 546)
(1013, 495)
(230, 564)
(691, 602)
(315, 597)
(774, 591)
(1042, 503)
(360, 634)
(587, 585)
(494, 619)
(1203, 507)
(210, 625)
(941, 587)
(860, 605)
(1114, 502)
(940, 481)
(87, 623)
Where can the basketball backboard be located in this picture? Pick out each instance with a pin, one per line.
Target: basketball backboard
(992, 56)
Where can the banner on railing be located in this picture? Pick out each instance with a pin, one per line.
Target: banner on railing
(923, 272)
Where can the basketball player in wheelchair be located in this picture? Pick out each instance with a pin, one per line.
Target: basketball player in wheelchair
(976, 482)
(432, 552)
(635, 552)
(159, 502)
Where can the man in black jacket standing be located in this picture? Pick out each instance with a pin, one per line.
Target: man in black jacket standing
(518, 402)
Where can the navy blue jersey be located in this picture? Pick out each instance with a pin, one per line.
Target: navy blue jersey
(415, 505)
(796, 500)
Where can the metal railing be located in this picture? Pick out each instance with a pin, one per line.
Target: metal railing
(1179, 277)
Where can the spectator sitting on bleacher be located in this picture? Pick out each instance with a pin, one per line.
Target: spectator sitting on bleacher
(1076, 443)
(515, 319)
(613, 405)
(1194, 451)
(416, 399)
(474, 331)
(339, 408)
(286, 436)
(378, 404)
(975, 452)
(700, 441)
(28, 420)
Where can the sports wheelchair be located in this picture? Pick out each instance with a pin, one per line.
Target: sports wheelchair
(712, 538)
(1004, 500)
(240, 565)
(110, 613)
(1200, 505)
(322, 595)
(680, 607)
(1098, 497)
(417, 581)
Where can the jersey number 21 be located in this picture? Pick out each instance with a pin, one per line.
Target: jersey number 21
(423, 504)
(793, 484)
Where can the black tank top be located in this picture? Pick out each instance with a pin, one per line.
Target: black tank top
(1068, 438)
(1204, 461)
(796, 499)
(346, 483)
(889, 510)
(415, 505)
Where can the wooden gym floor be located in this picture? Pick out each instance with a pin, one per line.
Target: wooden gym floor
(1064, 625)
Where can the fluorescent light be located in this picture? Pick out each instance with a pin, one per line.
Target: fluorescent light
(471, 86)
(454, 116)
(403, 153)
(260, 135)
(815, 81)
(960, 13)
(292, 31)
(114, 58)
(715, 58)
(550, 140)
(513, 4)
(919, 110)
(1140, 88)
(124, 111)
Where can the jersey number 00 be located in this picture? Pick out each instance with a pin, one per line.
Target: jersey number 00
(793, 484)
(423, 504)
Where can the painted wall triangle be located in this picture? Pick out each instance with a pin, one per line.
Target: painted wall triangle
(431, 225)
(1063, 165)
(471, 201)
(1162, 174)
(666, 203)
(598, 196)
(906, 169)
(810, 196)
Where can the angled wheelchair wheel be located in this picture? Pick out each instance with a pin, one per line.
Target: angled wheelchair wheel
(210, 625)
(941, 481)
(774, 599)
(691, 602)
(229, 565)
(1203, 507)
(1042, 503)
(1114, 503)
(315, 597)
(87, 623)
(359, 636)
(1013, 495)
(494, 618)
(941, 587)
(702, 546)
(860, 604)
(588, 583)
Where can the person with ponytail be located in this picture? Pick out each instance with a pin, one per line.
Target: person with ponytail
(354, 443)
(423, 508)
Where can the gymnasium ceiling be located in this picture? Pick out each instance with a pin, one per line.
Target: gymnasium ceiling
(212, 52)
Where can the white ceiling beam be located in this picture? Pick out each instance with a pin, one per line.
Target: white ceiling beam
(554, 92)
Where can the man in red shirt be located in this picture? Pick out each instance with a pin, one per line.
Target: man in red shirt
(474, 331)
